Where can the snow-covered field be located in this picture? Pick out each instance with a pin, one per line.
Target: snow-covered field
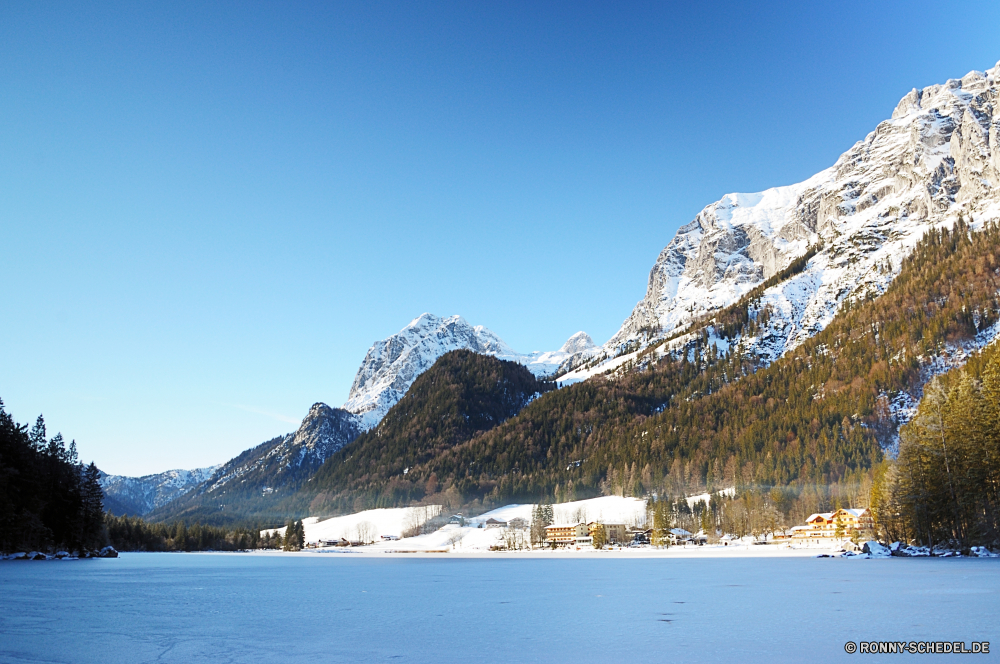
(609, 509)
(475, 537)
(374, 523)
(193, 608)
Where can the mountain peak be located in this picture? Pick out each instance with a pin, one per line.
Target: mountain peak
(577, 343)
(392, 364)
(934, 160)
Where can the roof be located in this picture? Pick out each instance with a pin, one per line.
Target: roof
(826, 516)
(679, 531)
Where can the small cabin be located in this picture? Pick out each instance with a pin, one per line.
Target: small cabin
(678, 536)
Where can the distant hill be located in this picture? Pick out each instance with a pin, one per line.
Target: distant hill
(251, 487)
(138, 496)
(392, 364)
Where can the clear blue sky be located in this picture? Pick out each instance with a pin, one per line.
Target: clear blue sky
(208, 212)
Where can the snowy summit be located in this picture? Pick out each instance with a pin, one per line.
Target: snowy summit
(392, 364)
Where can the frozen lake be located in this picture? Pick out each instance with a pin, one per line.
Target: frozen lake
(352, 608)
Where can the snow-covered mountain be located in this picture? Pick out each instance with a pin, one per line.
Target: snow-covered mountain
(391, 365)
(137, 496)
(936, 158)
(274, 468)
(252, 481)
(323, 431)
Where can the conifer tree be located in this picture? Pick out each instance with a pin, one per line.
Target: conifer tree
(92, 508)
(600, 536)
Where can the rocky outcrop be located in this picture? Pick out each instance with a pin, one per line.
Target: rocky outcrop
(937, 158)
(578, 343)
(252, 483)
(293, 457)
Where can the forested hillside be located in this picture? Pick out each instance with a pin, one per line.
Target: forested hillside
(243, 504)
(48, 499)
(462, 394)
(701, 418)
(945, 484)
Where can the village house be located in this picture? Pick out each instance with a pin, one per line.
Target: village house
(639, 535)
(566, 534)
(678, 536)
(495, 523)
(842, 524)
(334, 542)
(616, 533)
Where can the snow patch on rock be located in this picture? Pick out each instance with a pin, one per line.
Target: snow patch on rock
(936, 159)
(392, 364)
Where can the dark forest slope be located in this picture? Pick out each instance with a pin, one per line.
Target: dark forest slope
(48, 500)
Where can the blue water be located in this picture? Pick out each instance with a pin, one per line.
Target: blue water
(343, 608)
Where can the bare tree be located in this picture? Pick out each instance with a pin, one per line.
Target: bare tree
(456, 538)
(415, 518)
(366, 532)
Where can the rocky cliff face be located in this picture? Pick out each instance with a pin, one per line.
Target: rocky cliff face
(936, 158)
(138, 496)
(391, 365)
(253, 483)
(323, 431)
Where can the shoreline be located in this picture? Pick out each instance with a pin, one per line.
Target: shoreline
(708, 552)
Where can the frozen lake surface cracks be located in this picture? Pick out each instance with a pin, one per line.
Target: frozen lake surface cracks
(342, 608)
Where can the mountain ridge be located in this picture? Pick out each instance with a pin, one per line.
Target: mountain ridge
(251, 485)
(138, 496)
(754, 277)
(392, 364)
(936, 158)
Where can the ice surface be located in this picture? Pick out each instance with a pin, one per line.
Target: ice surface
(348, 608)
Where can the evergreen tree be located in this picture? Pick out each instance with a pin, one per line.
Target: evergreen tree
(92, 508)
(659, 518)
(37, 435)
(600, 536)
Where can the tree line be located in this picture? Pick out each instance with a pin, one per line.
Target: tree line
(944, 486)
(131, 533)
(49, 500)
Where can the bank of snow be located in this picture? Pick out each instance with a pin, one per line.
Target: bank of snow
(373, 523)
(607, 509)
